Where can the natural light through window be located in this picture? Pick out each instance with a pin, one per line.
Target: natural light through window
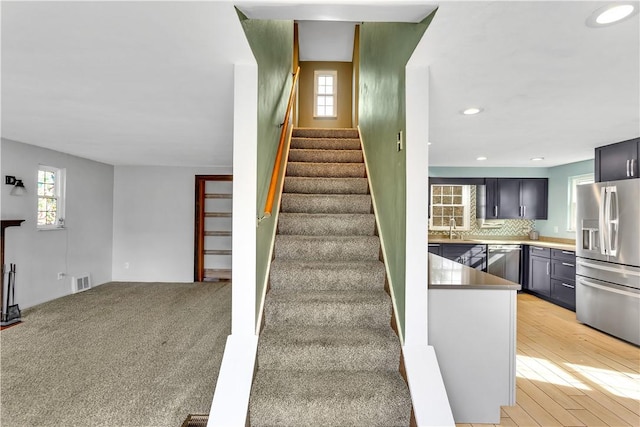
(536, 369)
(50, 197)
(623, 384)
(450, 202)
(326, 90)
(574, 181)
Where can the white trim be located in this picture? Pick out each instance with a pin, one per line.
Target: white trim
(574, 181)
(466, 205)
(428, 393)
(60, 187)
(231, 397)
(334, 94)
(382, 245)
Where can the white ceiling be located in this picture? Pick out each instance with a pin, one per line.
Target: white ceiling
(326, 41)
(132, 83)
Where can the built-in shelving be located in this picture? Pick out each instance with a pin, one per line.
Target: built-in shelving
(213, 228)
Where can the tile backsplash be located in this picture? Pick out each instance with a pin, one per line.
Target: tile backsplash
(510, 227)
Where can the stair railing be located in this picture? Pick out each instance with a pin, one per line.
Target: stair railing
(268, 206)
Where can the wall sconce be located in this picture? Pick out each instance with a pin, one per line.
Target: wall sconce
(18, 186)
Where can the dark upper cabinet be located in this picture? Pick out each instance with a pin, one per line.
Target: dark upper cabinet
(509, 206)
(617, 161)
(514, 198)
(491, 198)
(534, 198)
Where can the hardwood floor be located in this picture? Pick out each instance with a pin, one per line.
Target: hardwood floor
(569, 374)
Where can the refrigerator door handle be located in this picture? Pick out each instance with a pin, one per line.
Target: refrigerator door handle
(602, 221)
(607, 288)
(607, 268)
(614, 216)
(632, 168)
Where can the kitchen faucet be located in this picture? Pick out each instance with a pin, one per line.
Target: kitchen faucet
(452, 226)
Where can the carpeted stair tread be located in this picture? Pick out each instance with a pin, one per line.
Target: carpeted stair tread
(330, 170)
(318, 185)
(323, 248)
(327, 355)
(318, 224)
(325, 132)
(327, 276)
(329, 398)
(325, 143)
(325, 203)
(325, 156)
(326, 308)
(329, 348)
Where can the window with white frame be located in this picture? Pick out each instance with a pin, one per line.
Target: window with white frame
(51, 186)
(325, 93)
(450, 202)
(574, 181)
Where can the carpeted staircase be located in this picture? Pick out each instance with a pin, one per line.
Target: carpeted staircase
(327, 355)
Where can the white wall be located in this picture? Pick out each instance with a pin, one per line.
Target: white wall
(84, 246)
(153, 222)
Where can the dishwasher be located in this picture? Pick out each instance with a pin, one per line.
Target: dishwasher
(504, 261)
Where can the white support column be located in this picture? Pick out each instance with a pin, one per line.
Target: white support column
(429, 396)
(417, 96)
(231, 398)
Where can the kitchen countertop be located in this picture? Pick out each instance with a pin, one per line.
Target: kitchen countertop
(446, 274)
(504, 241)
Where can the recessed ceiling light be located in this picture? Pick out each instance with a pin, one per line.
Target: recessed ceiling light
(611, 14)
(537, 159)
(481, 158)
(428, 143)
(471, 111)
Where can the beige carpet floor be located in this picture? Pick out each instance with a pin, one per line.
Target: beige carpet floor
(120, 354)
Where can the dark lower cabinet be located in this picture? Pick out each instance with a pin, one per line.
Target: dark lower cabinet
(434, 248)
(552, 275)
(540, 275)
(564, 293)
(471, 255)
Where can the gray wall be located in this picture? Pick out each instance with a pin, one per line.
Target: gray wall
(83, 246)
(153, 222)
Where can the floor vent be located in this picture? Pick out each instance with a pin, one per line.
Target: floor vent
(81, 283)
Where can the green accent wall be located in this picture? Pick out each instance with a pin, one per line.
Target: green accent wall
(385, 49)
(272, 45)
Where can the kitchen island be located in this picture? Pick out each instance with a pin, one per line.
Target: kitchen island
(472, 327)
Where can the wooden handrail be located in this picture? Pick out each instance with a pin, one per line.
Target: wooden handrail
(268, 206)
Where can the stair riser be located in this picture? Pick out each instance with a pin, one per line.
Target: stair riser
(329, 225)
(325, 144)
(327, 314)
(331, 204)
(326, 185)
(357, 248)
(317, 279)
(330, 358)
(329, 170)
(326, 156)
(325, 133)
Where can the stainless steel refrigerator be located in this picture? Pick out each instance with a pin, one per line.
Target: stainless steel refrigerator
(608, 257)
